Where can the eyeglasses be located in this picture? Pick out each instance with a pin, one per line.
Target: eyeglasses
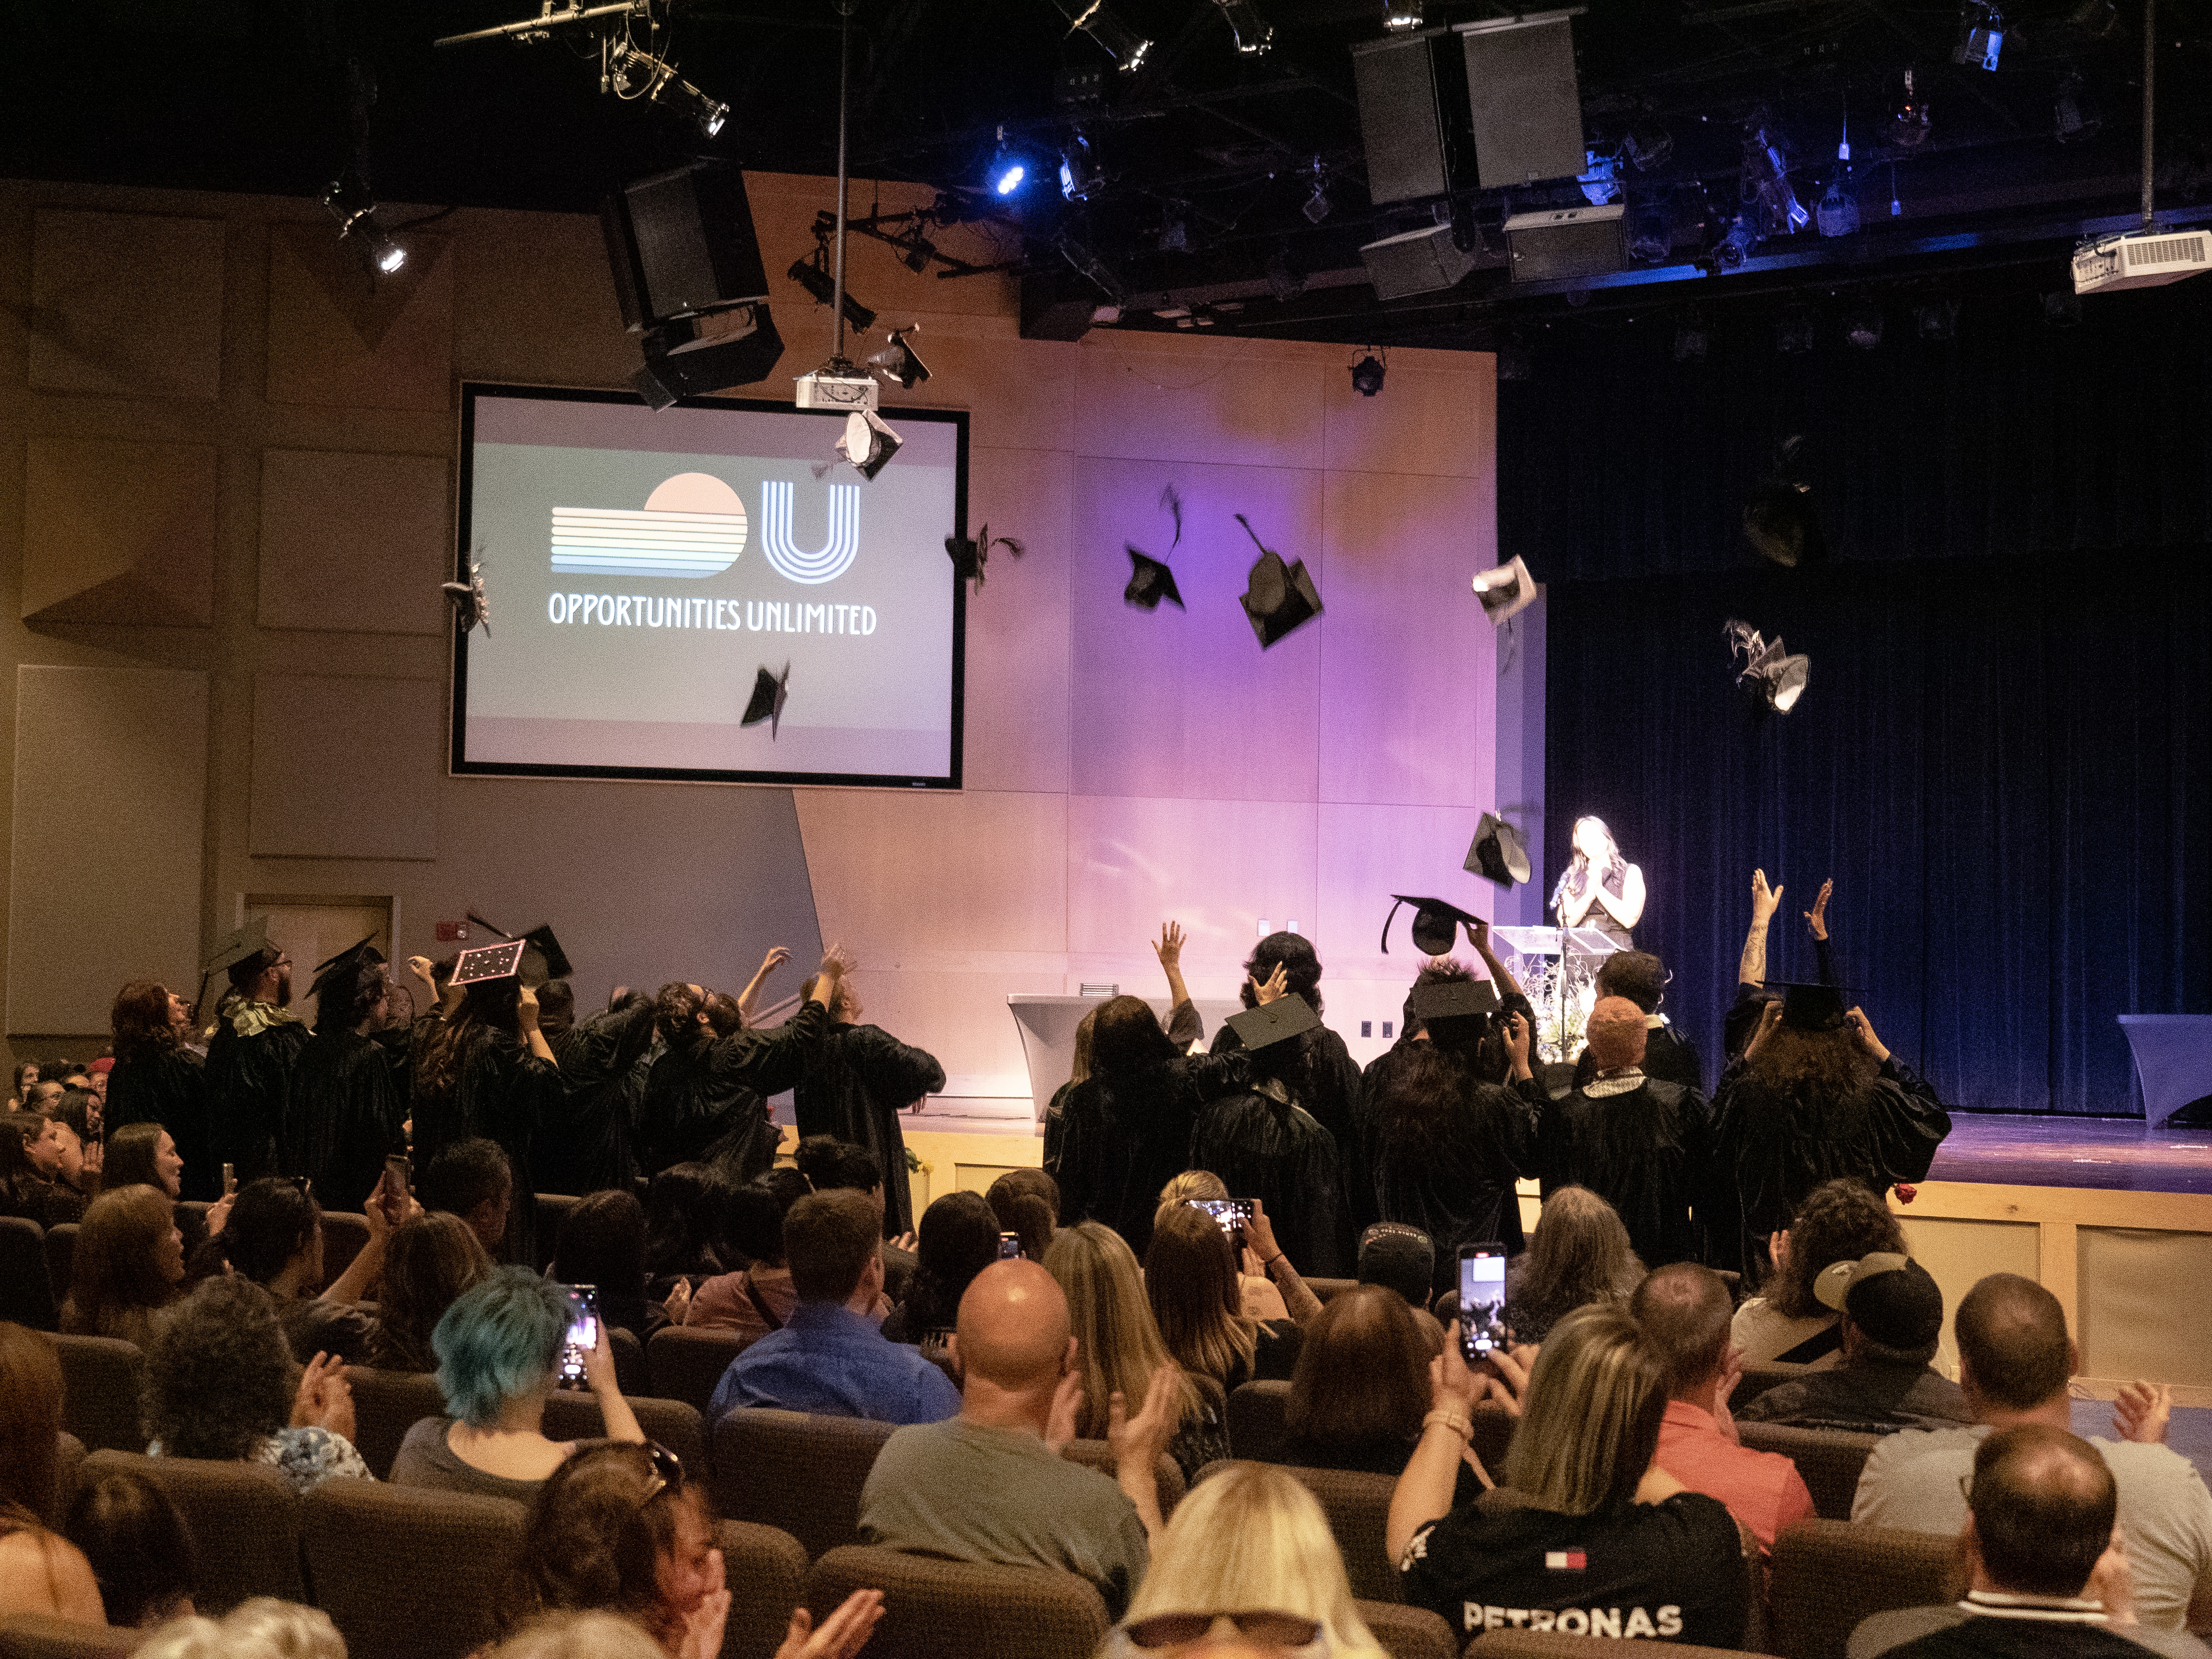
(667, 1471)
(1268, 1630)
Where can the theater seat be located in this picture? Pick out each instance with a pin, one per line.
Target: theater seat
(345, 1235)
(799, 1473)
(1551, 1644)
(69, 1458)
(631, 1375)
(1828, 1574)
(385, 1404)
(766, 1569)
(675, 1426)
(686, 1364)
(101, 1377)
(1409, 1632)
(61, 1259)
(1257, 1427)
(1167, 1474)
(445, 1552)
(554, 1210)
(937, 1609)
(1829, 1460)
(244, 1522)
(1758, 1379)
(27, 1295)
(1358, 1506)
(35, 1636)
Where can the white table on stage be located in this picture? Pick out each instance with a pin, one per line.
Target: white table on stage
(2174, 1061)
(1047, 1028)
(1548, 941)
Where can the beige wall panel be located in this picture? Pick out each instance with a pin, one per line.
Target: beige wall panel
(1408, 664)
(897, 874)
(1958, 1254)
(1440, 423)
(1188, 702)
(120, 532)
(335, 337)
(353, 544)
(110, 814)
(1018, 662)
(960, 1017)
(1250, 410)
(346, 768)
(533, 302)
(2143, 1310)
(1214, 866)
(126, 303)
(1020, 393)
(1369, 853)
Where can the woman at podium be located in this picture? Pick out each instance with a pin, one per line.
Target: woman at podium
(1600, 889)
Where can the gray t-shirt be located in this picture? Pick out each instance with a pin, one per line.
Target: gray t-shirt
(425, 1460)
(971, 1493)
(1913, 1480)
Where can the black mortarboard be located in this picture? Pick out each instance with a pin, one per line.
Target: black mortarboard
(1496, 852)
(488, 962)
(345, 963)
(1811, 1007)
(246, 944)
(769, 691)
(543, 958)
(1151, 581)
(1436, 923)
(1506, 591)
(1283, 1019)
(1278, 596)
(968, 557)
(1451, 1000)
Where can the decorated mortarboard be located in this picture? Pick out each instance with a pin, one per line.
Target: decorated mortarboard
(1451, 1000)
(769, 693)
(1812, 1007)
(543, 958)
(1275, 1022)
(244, 945)
(488, 962)
(1436, 923)
(1279, 596)
(1498, 852)
(1150, 581)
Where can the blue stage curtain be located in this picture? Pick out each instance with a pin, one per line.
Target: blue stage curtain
(2004, 763)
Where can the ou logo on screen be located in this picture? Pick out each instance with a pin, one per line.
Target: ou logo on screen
(694, 525)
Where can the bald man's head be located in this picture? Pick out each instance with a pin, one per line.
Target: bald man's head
(2043, 1503)
(1014, 1327)
(1685, 1312)
(1616, 1033)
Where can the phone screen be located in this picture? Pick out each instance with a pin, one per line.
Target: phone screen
(1230, 1213)
(1010, 1246)
(397, 1173)
(1481, 1298)
(583, 1332)
(229, 1179)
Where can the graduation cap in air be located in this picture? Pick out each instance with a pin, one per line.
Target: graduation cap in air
(488, 962)
(1436, 923)
(1278, 1021)
(1278, 596)
(969, 556)
(345, 964)
(1498, 852)
(1453, 1008)
(1150, 581)
(1813, 1007)
(1506, 591)
(470, 608)
(769, 692)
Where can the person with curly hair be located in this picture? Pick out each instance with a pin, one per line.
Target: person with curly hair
(348, 1086)
(221, 1383)
(1839, 1221)
(432, 1261)
(158, 1078)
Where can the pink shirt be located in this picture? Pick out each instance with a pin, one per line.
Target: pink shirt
(1762, 1490)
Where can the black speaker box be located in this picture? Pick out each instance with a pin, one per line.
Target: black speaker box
(682, 361)
(1410, 111)
(681, 244)
(1523, 100)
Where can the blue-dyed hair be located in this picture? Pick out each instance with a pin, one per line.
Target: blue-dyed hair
(499, 1340)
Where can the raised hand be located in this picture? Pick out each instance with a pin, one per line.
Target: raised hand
(2141, 1410)
(776, 959)
(1169, 947)
(1769, 1020)
(324, 1399)
(1862, 1031)
(1518, 1037)
(842, 1634)
(679, 1303)
(1764, 900)
(703, 1626)
(1067, 1412)
(1817, 917)
(1145, 1436)
(1452, 1385)
(525, 1010)
(1278, 987)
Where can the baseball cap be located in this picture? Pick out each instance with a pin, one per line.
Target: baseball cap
(1399, 1258)
(1889, 1297)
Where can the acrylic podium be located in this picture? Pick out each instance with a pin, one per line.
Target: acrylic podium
(2174, 1061)
(1047, 1028)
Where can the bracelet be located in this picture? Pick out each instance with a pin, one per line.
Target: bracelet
(1272, 1260)
(1452, 1420)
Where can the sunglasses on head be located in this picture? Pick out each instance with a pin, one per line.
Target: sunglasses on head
(1268, 1630)
(667, 1471)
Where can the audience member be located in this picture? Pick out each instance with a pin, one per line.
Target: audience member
(1250, 1550)
(128, 1261)
(1642, 1146)
(221, 1383)
(602, 1244)
(2014, 1362)
(75, 1173)
(138, 1546)
(686, 1213)
(487, 1070)
(959, 1239)
(989, 1484)
(857, 1082)
(758, 1298)
(1191, 1281)
(26, 1073)
(1187, 1186)
(1668, 1058)
(1752, 992)
(1839, 1221)
(1580, 1255)
(1586, 1535)
(157, 1079)
(275, 1238)
(829, 1358)
(1893, 1317)
(578, 1635)
(1361, 1386)
(30, 1423)
(263, 1628)
(1027, 1203)
(1118, 1346)
(431, 1260)
(1399, 1258)
(828, 1164)
(143, 1154)
(471, 1178)
(30, 1153)
(499, 1351)
(1683, 1310)
(2044, 1576)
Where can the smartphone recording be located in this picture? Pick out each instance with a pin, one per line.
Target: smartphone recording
(583, 1333)
(1482, 1299)
(1230, 1214)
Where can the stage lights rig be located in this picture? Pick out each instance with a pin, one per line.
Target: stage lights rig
(631, 68)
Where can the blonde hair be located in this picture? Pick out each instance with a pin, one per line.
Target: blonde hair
(1252, 1537)
(579, 1636)
(1192, 1283)
(1590, 1423)
(1191, 1183)
(1117, 1341)
(263, 1628)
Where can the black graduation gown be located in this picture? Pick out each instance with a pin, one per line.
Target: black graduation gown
(168, 1086)
(860, 1080)
(706, 1102)
(506, 1094)
(1267, 1148)
(594, 1146)
(249, 1089)
(1123, 1139)
(1649, 1153)
(1327, 1087)
(349, 1103)
(1457, 1188)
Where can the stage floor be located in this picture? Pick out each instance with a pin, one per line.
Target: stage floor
(2049, 1150)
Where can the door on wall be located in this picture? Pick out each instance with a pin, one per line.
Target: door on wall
(310, 928)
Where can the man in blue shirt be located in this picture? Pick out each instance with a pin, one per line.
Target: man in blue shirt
(829, 1358)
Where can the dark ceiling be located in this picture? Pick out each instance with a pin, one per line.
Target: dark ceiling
(262, 95)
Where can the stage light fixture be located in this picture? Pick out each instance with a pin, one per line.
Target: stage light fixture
(1794, 331)
(1127, 48)
(1647, 147)
(814, 277)
(1769, 199)
(1401, 16)
(1367, 375)
(916, 252)
(868, 443)
(1863, 326)
(2073, 117)
(1599, 185)
(1254, 33)
(1079, 176)
(1735, 246)
(1981, 35)
(1008, 171)
(355, 209)
(1650, 230)
(1692, 341)
(1910, 118)
(1935, 319)
(634, 74)
(897, 361)
(1318, 207)
(1838, 213)
(1768, 674)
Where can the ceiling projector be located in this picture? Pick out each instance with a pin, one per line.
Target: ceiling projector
(2147, 259)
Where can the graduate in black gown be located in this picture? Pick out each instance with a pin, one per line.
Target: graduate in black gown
(250, 1060)
(1817, 1096)
(158, 1079)
(349, 1089)
(860, 1080)
(1264, 1145)
(602, 1090)
(1642, 978)
(705, 1094)
(487, 1070)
